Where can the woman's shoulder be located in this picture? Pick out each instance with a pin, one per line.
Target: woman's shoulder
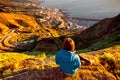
(64, 52)
(75, 55)
(60, 52)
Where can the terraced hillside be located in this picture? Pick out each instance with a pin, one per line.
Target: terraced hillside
(40, 25)
(21, 33)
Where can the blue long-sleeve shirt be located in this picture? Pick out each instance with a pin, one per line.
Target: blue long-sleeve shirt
(68, 61)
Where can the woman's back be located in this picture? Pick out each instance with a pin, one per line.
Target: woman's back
(66, 57)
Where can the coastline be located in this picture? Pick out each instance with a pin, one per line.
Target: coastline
(50, 17)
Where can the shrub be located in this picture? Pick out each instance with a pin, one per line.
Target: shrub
(111, 62)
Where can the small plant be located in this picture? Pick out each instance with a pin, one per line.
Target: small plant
(83, 50)
(107, 56)
(111, 62)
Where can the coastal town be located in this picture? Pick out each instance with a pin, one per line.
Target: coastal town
(51, 17)
(31, 36)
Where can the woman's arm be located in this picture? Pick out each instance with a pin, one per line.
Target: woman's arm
(81, 58)
(77, 62)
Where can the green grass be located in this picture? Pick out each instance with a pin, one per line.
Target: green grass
(83, 50)
(102, 43)
(36, 53)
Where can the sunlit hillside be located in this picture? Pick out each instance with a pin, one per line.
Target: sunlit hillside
(13, 61)
(101, 35)
(31, 35)
(17, 28)
(20, 32)
(34, 28)
(17, 33)
(105, 66)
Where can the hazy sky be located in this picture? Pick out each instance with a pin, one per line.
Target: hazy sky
(87, 8)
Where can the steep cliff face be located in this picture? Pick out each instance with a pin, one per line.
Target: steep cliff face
(104, 29)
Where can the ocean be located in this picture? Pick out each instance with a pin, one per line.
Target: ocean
(96, 9)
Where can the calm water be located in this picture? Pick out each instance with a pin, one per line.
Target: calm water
(86, 8)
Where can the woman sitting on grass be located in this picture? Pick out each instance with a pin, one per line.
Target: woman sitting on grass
(67, 59)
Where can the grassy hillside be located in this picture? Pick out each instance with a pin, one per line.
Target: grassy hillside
(101, 35)
(30, 36)
(34, 65)
(15, 31)
(102, 43)
(20, 32)
(30, 24)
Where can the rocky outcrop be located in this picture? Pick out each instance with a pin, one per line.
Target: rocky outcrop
(104, 66)
(95, 71)
(56, 74)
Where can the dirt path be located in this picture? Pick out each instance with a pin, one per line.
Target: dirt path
(5, 43)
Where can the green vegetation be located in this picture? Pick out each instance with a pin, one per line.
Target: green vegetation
(103, 43)
(12, 61)
(107, 42)
(38, 53)
(111, 62)
(22, 28)
(83, 50)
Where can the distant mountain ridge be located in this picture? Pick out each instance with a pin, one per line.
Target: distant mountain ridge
(54, 20)
(21, 29)
(106, 28)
